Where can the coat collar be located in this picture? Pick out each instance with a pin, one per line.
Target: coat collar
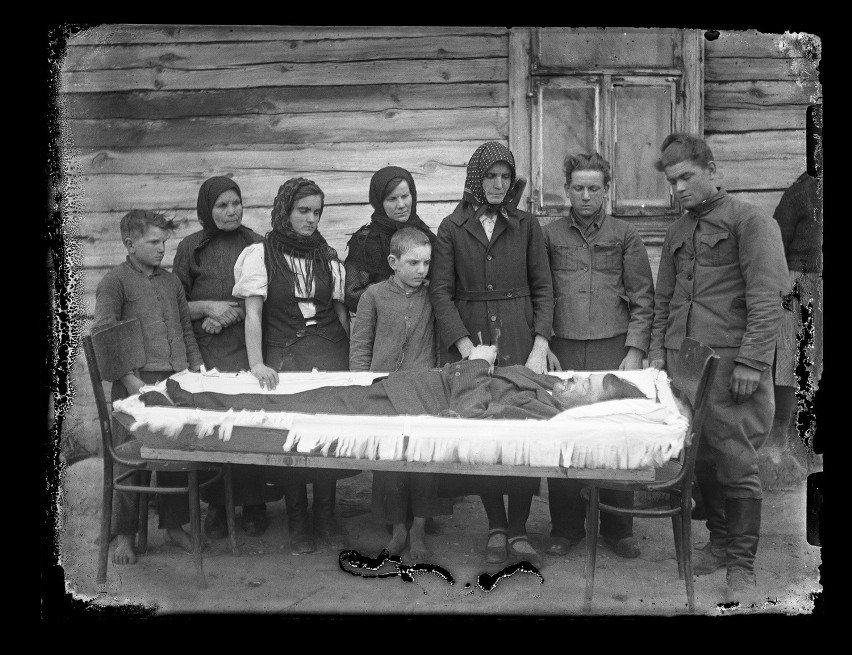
(467, 216)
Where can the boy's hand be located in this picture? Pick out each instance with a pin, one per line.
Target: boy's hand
(268, 377)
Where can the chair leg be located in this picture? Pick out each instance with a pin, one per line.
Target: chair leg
(687, 553)
(592, 528)
(195, 526)
(230, 514)
(106, 521)
(677, 531)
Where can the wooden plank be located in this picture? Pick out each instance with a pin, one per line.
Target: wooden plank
(519, 107)
(284, 100)
(761, 174)
(178, 191)
(267, 459)
(755, 119)
(419, 157)
(123, 33)
(203, 56)
(423, 71)
(757, 44)
(742, 95)
(479, 124)
(100, 242)
(724, 69)
(761, 145)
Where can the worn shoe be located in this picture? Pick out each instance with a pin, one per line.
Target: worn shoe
(626, 548)
(520, 549)
(741, 587)
(559, 546)
(255, 520)
(215, 524)
(708, 559)
(495, 551)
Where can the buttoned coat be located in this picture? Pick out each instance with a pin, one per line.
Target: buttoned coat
(511, 269)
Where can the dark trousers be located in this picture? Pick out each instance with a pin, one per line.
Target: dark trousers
(519, 511)
(567, 508)
(398, 495)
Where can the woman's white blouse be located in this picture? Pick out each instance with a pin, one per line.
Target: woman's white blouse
(251, 278)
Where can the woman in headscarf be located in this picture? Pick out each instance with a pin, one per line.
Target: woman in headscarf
(491, 284)
(292, 283)
(394, 200)
(204, 263)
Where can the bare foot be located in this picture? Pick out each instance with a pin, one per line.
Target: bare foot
(124, 552)
(398, 537)
(417, 540)
(180, 538)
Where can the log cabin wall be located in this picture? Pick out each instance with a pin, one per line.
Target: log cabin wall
(154, 111)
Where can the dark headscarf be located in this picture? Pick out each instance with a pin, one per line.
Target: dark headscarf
(284, 240)
(482, 159)
(208, 194)
(369, 248)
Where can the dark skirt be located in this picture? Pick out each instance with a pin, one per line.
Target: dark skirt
(451, 485)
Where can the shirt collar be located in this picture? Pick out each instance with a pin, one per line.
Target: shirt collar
(709, 204)
(596, 221)
(130, 263)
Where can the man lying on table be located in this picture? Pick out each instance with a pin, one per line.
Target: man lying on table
(467, 389)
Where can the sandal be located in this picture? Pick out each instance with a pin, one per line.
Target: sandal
(496, 554)
(528, 554)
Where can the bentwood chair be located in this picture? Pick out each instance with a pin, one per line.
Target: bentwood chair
(691, 381)
(110, 354)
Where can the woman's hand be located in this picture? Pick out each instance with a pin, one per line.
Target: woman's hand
(553, 361)
(226, 312)
(632, 360)
(268, 377)
(211, 325)
(537, 361)
(487, 353)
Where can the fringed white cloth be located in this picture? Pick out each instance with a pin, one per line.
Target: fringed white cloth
(617, 434)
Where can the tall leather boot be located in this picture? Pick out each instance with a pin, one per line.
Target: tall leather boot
(329, 533)
(743, 522)
(712, 557)
(298, 521)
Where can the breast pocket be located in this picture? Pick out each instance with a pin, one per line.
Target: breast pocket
(565, 258)
(608, 256)
(717, 249)
(677, 250)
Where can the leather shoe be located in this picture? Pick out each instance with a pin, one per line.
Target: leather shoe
(559, 546)
(626, 548)
(524, 554)
(255, 520)
(215, 524)
(497, 553)
(707, 560)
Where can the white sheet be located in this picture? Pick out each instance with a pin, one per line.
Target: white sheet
(622, 434)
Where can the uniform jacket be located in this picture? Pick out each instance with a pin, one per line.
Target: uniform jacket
(721, 280)
(512, 269)
(602, 283)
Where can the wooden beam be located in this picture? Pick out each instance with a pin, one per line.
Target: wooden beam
(283, 100)
(169, 34)
(755, 119)
(758, 146)
(519, 107)
(479, 124)
(760, 174)
(205, 56)
(724, 69)
(757, 44)
(746, 95)
(423, 71)
(419, 157)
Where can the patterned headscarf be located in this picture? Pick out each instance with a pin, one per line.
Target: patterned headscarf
(484, 158)
(284, 240)
(208, 194)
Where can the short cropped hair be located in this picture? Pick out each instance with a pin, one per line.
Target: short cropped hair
(584, 162)
(136, 222)
(407, 238)
(680, 147)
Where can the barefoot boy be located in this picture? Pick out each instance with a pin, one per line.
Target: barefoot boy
(393, 330)
(139, 288)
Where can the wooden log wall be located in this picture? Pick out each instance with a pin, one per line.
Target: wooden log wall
(757, 88)
(152, 111)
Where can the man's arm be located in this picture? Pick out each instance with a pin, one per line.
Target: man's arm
(468, 382)
(662, 297)
(540, 282)
(639, 285)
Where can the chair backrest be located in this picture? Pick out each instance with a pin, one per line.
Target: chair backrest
(111, 353)
(693, 377)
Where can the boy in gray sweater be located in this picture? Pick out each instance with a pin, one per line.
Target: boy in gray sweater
(393, 330)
